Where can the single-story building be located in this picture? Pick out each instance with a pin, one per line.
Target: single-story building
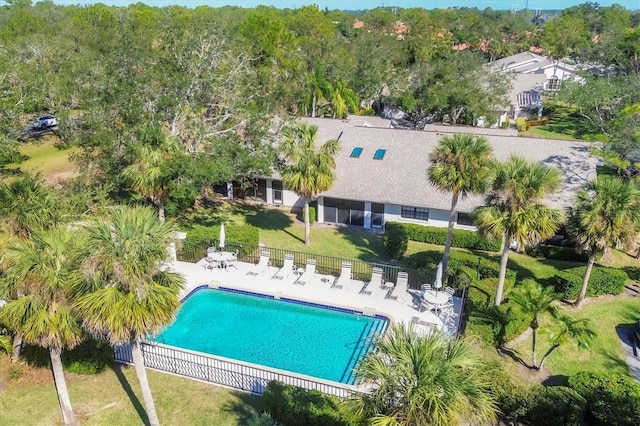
(382, 173)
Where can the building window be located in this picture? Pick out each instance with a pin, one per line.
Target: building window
(414, 213)
(553, 83)
(356, 152)
(379, 155)
(464, 219)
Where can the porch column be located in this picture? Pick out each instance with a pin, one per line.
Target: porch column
(269, 191)
(320, 210)
(367, 214)
(230, 190)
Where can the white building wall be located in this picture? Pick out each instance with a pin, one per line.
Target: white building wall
(290, 198)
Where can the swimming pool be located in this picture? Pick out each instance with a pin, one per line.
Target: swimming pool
(300, 337)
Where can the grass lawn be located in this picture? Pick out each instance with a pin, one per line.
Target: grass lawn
(564, 123)
(113, 398)
(46, 158)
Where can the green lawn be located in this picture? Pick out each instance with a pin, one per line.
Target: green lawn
(114, 398)
(46, 158)
(564, 123)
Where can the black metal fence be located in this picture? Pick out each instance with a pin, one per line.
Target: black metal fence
(326, 265)
(237, 375)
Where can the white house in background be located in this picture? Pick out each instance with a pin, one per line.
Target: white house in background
(382, 174)
(533, 75)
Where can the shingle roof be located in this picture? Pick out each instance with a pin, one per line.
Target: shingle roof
(401, 177)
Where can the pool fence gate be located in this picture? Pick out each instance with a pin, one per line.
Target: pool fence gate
(222, 371)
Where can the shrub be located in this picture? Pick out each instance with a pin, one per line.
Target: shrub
(396, 240)
(534, 123)
(611, 399)
(245, 237)
(554, 406)
(505, 123)
(262, 419)
(437, 235)
(556, 252)
(295, 406)
(521, 124)
(603, 280)
(89, 357)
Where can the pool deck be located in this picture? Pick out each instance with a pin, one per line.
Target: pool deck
(400, 308)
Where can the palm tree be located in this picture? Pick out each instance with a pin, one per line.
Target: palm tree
(343, 99)
(149, 173)
(45, 268)
(579, 330)
(133, 295)
(606, 214)
(416, 380)
(27, 204)
(318, 88)
(513, 211)
(534, 301)
(309, 170)
(459, 165)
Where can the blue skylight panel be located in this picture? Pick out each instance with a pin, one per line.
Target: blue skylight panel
(356, 152)
(379, 155)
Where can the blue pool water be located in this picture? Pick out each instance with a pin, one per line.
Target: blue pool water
(281, 334)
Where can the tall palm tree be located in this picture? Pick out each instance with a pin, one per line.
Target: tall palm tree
(606, 214)
(534, 301)
(149, 173)
(459, 165)
(133, 296)
(45, 269)
(416, 380)
(513, 210)
(343, 99)
(566, 329)
(309, 170)
(318, 88)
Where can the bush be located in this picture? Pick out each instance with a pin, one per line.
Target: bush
(89, 357)
(437, 235)
(521, 124)
(505, 123)
(603, 280)
(554, 406)
(534, 123)
(396, 240)
(245, 237)
(611, 399)
(295, 406)
(556, 252)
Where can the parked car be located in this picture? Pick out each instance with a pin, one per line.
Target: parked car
(46, 122)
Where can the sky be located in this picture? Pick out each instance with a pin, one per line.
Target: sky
(369, 4)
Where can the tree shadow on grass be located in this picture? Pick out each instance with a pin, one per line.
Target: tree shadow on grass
(370, 244)
(118, 371)
(244, 405)
(556, 380)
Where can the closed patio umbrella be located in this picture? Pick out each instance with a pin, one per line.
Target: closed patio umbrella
(222, 236)
(437, 283)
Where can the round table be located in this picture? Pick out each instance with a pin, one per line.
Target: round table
(436, 298)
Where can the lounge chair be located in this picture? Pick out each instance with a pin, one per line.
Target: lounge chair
(287, 268)
(308, 274)
(262, 265)
(345, 276)
(402, 285)
(375, 283)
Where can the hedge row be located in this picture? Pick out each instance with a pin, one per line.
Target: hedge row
(611, 399)
(294, 406)
(603, 280)
(556, 252)
(199, 237)
(437, 235)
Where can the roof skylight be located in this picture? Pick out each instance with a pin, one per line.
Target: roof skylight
(356, 152)
(379, 155)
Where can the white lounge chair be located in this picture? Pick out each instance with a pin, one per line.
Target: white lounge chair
(402, 286)
(345, 276)
(375, 283)
(262, 265)
(287, 268)
(308, 274)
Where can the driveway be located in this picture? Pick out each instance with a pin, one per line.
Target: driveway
(625, 333)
